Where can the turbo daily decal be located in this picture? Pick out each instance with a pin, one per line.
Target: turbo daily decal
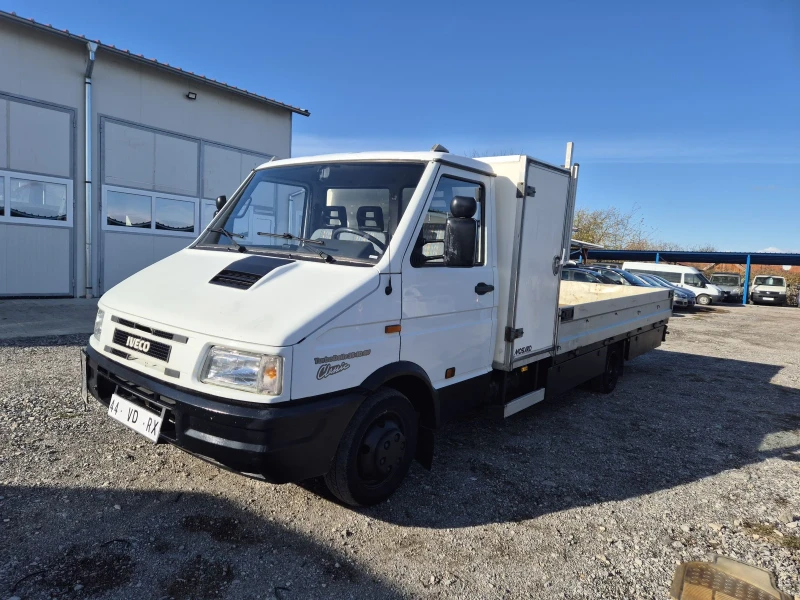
(327, 369)
(348, 356)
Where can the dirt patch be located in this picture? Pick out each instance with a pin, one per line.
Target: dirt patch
(79, 573)
(200, 578)
(221, 529)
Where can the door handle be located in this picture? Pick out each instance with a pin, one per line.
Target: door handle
(483, 288)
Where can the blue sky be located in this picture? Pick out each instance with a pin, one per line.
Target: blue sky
(689, 110)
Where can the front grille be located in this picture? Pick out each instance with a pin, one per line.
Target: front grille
(156, 332)
(153, 348)
(235, 279)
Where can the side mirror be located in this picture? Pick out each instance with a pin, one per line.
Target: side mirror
(221, 200)
(460, 233)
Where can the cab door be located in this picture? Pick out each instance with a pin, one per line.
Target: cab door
(449, 313)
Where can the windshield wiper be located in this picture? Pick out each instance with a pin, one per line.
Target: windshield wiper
(231, 236)
(288, 236)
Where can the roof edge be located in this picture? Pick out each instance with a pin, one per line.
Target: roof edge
(151, 62)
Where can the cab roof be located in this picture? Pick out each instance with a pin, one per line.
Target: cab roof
(443, 157)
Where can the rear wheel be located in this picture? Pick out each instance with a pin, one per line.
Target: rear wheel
(704, 300)
(375, 451)
(607, 381)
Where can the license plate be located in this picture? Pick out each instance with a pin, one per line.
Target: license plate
(137, 418)
(767, 298)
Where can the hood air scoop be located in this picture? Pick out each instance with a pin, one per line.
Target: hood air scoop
(244, 273)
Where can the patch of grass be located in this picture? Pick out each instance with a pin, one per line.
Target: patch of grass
(761, 529)
(792, 542)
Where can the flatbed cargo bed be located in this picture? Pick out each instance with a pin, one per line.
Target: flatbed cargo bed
(592, 312)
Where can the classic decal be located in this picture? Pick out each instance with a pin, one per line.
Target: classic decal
(328, 369)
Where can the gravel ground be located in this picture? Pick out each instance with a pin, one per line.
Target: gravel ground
(697, 452)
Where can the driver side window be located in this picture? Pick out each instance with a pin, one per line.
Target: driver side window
(429, 248)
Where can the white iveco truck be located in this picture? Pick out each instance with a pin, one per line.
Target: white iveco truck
(340, 308)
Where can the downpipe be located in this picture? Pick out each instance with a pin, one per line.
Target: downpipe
(87, 162)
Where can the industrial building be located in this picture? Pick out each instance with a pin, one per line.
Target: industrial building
(110, 161)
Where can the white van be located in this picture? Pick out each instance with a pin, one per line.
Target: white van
(768, 289)
(685, 277)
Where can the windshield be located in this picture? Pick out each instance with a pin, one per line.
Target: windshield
(724, 280)
(702, 278)
(777, 281)
(351, 209)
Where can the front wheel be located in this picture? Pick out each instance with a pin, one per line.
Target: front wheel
(704, 300)
(376, 450)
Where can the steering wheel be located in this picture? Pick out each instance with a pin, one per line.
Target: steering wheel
(363, 234)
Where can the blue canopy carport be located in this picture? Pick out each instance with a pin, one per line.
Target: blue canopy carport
(680, 256)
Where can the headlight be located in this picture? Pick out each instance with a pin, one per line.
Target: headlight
(98, 323)
(243, 370)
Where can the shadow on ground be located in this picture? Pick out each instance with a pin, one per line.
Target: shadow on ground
(583, 448)
(78, 543)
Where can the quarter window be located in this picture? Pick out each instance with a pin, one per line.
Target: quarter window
(429, 248)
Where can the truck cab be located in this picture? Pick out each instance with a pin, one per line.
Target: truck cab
(339, 308)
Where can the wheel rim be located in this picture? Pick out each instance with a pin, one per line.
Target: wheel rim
(382, 450)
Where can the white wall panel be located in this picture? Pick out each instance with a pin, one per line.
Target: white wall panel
(129, 155)
(3, 134)
(176, 164)
(39, 139)
(128, 253)
(37, 260)
(222, 171)
(3, 258)
(250, 162)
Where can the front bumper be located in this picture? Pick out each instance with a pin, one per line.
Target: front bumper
(769, 298)
(280, 444)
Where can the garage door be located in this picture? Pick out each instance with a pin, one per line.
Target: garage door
(36, 199)
(157, 193)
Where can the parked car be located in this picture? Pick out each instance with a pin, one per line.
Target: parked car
(730, 284)
(768, 289)
(608, 273)
(684, 277)
(576, 273)
(682, 298)
(686, 291)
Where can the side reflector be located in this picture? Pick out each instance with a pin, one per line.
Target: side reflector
(523, 369)
(451, 372)
(392, 329)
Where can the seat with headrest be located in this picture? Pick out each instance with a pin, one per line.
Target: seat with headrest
(330, 219)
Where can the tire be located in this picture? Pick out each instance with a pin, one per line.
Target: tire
(704, 300)
(606, 382)
(376, 450)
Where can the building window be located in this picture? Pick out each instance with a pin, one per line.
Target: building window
(175, 215)
(128, 210)
(32, 199)
(35, 199)
(139, 211)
